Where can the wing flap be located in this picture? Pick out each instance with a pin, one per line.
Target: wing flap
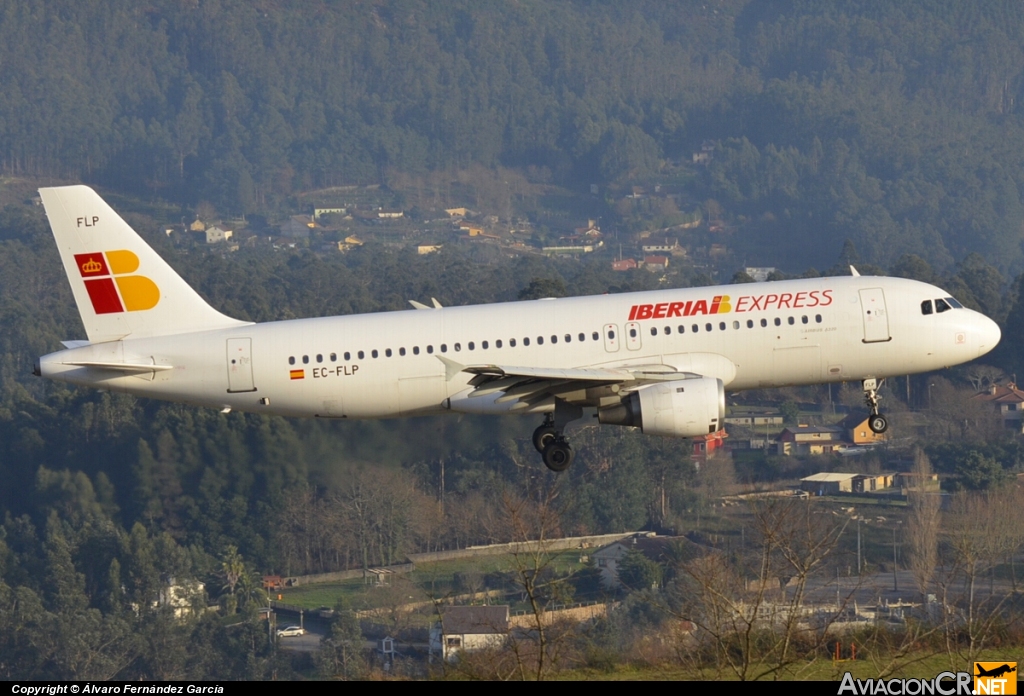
(534, 389)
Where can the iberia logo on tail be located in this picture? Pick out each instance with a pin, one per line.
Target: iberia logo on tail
(111, 285)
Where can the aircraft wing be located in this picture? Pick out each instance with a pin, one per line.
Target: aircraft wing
(535, 387)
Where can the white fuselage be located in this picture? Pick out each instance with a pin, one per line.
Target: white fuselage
(386, 365)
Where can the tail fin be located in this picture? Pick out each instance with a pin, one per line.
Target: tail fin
(122, 287)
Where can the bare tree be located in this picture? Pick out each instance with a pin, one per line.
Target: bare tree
(983, 531)
(923, 523)
(752, 617)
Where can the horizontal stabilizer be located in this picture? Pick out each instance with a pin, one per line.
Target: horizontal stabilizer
(132, 368)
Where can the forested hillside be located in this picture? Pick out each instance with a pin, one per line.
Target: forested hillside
(896, 125)
(893, 125)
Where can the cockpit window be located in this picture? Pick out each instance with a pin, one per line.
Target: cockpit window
(941, 306)
(953, 303)
(926, 307)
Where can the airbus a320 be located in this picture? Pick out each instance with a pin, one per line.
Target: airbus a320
(659, 361)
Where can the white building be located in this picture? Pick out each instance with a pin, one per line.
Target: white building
(467, 629)
(215, 235)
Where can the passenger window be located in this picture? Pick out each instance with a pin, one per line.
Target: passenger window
(695, 328)
(926, 307)
(526, 341)
(568, 338)
(458, 347)
(512, 343)
(387, 353)
(540, 340)
(554, 339)
(348, 356)
(319, 358)
(374, 353)
(595, 336)
(305, 359)
(708, 327)
(778, 322)
(472, 346)
(362, 355)
(444, 347)
(582, 337)
(721, 326)
(681, 329)
(817, 318)
(401, 351)
(291, 360)
(941, 306)
(632, 333)
(497, 344)
(430, 350)
(735, 325)
(611, 335)
(334, 357)
(791, 320)
(750, 323)
(415, 350)
(484, 345)
(804, 319)
(764, 323)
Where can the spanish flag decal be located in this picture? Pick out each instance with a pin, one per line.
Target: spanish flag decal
(297, 374)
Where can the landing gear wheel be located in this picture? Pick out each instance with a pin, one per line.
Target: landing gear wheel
(558, 455)
(543, 436)
(878, 423)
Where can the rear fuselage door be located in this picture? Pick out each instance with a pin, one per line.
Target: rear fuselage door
(876, 319)
(240, 365)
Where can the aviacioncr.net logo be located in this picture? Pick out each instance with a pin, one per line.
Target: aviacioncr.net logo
(112, 284)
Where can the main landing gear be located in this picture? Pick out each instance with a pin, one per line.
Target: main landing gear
(549, 437)
(876, 421)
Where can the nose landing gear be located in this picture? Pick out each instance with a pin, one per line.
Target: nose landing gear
(876, 422)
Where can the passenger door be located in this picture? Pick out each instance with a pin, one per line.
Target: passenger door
(876, 319)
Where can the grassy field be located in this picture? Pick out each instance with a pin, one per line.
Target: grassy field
(921, 665)
(427, 581)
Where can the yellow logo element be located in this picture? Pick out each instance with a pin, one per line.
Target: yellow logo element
(995, 678)
(138, 292)
(122, 261)
(92, 266)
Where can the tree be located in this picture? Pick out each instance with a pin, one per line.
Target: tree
(340, 654)
(983, 530)
(232, 568)
(923, 523)
(637, 572)
(543, 287)
(749, 611)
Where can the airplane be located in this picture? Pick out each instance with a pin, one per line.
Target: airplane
(660, 361)
(995, 671)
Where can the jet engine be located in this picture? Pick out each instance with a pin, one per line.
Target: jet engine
(681, 408)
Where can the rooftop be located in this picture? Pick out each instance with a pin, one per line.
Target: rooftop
(828, 476)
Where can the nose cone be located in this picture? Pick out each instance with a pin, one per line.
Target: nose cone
(988, 334)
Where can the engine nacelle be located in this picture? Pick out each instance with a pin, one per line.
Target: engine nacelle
(681, 408)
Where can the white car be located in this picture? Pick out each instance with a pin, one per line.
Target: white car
(290, 631)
